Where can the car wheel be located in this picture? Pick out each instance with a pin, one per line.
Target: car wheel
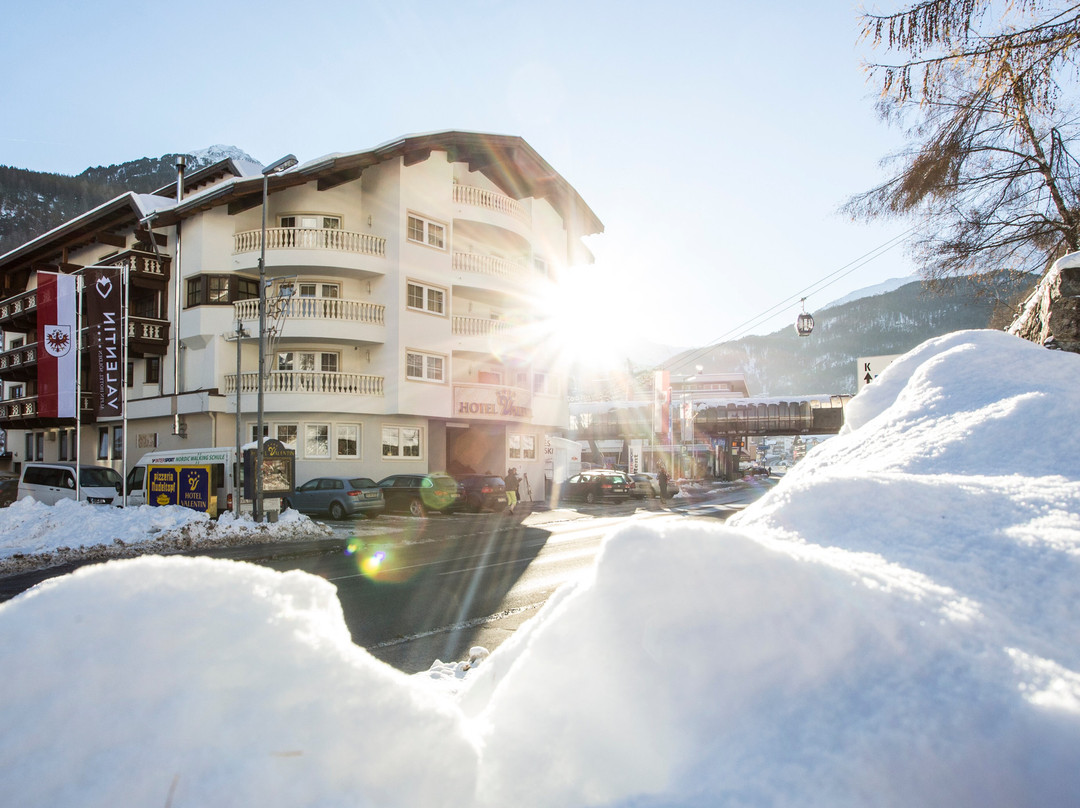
(337, 512)
(416, 508)
(590, 497)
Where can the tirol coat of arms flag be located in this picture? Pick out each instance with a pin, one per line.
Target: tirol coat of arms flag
(57, 353)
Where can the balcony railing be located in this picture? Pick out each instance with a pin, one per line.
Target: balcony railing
(490, 200)
(21, 307)
(309, 238)
(145, 336)
(11, 362)
(308, 381)
(479, 327)
(316, 308)
(488, 265)
(23, 412)
(142, 266)
(148, 335)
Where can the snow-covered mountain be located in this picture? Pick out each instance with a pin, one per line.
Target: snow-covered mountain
(890, 285)
(34, 202)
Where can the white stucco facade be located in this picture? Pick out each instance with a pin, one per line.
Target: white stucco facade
(407, 277)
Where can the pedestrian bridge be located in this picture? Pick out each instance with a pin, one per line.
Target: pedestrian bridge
(721, 418)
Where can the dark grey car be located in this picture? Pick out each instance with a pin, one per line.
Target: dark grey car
(339, 497)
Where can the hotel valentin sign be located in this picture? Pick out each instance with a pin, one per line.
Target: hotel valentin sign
(491, 402)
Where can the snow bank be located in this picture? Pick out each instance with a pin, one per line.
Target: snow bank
(896, 624)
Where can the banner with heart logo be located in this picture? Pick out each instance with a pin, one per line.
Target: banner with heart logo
(103, 322)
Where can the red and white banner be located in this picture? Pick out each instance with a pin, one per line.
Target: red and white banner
(57, 352)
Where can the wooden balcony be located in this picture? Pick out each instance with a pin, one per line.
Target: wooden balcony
(19, 313)
(145, 270)
(19, 364)
(146, 337)
(22, 413)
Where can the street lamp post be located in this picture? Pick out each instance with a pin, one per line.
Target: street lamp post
(286, 162)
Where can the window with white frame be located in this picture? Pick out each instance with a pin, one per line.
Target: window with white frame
(521, 447)
(425, 231)
(325, 361)
(542, 383)
(286, 433)
(421, 297)
(316, 440)
(521, 379)
(348, 440)
(310, 289)
(425, 367)
(540, 265)
(310, 221)
(401, 441)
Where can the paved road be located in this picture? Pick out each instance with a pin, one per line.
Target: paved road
(416, 590)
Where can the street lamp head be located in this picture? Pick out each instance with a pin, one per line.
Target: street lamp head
(286, 162)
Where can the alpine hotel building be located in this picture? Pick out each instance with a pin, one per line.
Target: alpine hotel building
(403, 332)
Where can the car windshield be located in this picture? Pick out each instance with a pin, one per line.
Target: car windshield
(99, 477)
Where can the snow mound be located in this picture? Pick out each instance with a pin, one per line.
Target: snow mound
(896, 624)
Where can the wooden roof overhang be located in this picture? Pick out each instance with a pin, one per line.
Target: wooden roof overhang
(49, 251)
(508, 161)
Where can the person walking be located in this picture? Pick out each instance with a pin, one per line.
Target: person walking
(662, 478)
(512, 483)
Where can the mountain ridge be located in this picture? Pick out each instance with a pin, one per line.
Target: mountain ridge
(34, 202)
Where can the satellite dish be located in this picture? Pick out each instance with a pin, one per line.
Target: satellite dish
(804, 323)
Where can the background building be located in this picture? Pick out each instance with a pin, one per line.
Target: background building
(402, 288)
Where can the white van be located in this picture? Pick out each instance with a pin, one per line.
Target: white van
(223, 473)
(51, 482)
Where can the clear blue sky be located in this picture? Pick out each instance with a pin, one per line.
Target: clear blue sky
(715, 140)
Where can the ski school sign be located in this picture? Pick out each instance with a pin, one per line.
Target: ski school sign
(489, 402)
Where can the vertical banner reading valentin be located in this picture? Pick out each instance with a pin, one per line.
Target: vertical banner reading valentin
(103, 307)
(57, 354)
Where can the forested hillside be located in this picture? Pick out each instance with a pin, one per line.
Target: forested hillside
(34, 202)
(784, 363)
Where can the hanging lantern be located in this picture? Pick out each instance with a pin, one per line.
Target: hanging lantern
(804, 323)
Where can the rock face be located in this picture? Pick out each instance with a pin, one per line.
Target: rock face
(1051, 315)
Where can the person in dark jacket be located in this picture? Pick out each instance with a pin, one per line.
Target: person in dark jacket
(512, 481)
(662, 478)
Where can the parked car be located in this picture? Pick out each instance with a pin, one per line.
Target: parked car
(646, 485)
(597, 485)
(417, 494)
(9, 491)
(338, 496)
(756, 471)
(51, 482)
(481, 492)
